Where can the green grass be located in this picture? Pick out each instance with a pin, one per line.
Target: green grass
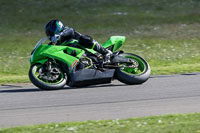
(14, 79)
(164, 32)
(182, 123)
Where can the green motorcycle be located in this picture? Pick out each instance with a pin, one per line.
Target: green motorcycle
(53, 66)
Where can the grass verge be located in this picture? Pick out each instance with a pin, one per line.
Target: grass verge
(180, 123)
(5, 79)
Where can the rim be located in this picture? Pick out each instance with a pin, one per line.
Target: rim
(36, 73)
(135, 71)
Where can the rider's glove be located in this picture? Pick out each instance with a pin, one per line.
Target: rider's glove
(55, 38)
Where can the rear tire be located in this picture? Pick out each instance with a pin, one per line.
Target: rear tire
(132, 78)
(42, 84)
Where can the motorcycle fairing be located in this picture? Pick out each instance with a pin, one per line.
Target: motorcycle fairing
(61, 53)
(117, 41)
(76, 43)
(87, 77)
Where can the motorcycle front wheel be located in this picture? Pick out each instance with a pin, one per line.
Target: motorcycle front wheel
(45, 79)
(136, 75)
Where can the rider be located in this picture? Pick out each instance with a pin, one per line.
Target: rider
(57, 34)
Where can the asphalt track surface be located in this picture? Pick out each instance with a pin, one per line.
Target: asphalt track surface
(27, 105)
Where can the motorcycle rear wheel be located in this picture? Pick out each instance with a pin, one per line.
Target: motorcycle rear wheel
(136, 75)
(43, 84)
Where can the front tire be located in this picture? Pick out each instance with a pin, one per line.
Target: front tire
(133, 76)
(34, 76)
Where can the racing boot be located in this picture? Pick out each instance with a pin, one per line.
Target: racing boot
(105, 52)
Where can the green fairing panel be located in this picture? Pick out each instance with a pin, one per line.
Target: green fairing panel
(76, 42)
(91, 50)
(70, 42)
(117, 41)
(36, 57)
(58, 53)
(52, 51)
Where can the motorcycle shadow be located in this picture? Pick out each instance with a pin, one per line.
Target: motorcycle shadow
(34, 90)
(94, 86)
